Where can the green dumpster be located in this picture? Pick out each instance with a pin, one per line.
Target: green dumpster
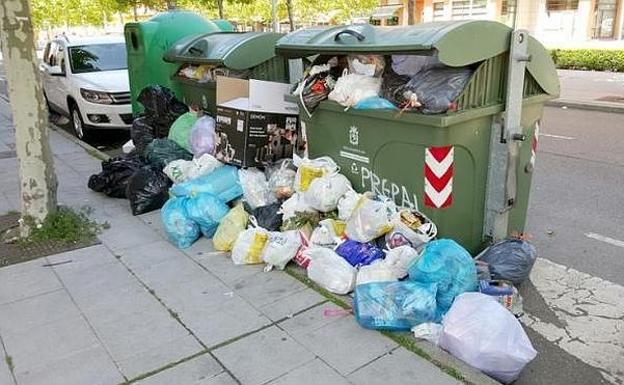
(468, 170)
(146, 42)
(249, 55)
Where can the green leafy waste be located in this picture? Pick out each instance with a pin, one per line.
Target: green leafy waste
(65, 225)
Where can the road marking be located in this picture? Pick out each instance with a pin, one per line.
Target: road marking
(590, 314)
(557, 136)
(602, 238)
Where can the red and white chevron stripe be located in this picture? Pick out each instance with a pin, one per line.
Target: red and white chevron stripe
(439, 176)
(534, 144)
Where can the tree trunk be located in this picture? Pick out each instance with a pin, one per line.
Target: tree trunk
(220, 8)
(411, 10)
(135, 12)
(30, 116)
(291, 20)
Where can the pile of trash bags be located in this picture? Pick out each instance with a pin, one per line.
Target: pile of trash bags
(394, 82)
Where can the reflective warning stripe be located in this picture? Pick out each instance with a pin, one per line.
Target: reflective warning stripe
(438, 174)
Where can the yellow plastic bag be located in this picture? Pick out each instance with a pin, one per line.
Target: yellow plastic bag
(230, 227)
(310, 169)
(249, 246)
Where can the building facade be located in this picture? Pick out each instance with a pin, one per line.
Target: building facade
(557, 23)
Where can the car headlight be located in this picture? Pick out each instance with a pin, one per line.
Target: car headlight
(96, 96)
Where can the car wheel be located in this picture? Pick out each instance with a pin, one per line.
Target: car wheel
(76, 122)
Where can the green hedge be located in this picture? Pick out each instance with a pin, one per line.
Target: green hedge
(589, 59)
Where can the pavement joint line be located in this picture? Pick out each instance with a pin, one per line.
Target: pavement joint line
(71, 297)
(389, 352)
(165, 367)
(557, 136)
(605, 239)
(32, 296)
(9, 361)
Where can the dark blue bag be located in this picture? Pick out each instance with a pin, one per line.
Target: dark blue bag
(359, 254)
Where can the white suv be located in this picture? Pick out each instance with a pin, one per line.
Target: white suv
(87, 81)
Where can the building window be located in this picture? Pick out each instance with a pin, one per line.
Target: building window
(508, 7)
(561, 5)
(604, 19)
(438, 11)
(469, 9)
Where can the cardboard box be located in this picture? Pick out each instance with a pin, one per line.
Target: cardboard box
(255, 126)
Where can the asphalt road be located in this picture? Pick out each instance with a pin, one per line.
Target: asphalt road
(574, 303)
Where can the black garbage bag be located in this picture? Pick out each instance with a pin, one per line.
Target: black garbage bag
(162, 151)
(267, 216)
(116, 171)
(161, 109)
(436, 88)
(148, 190)
(510, 259)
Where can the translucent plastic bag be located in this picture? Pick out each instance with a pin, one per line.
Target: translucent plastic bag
(396, 306)
(207, 211)
(347, 203)
(330, 271)
(324, 192)
(202, 140)
(296, 203)
(450, 266)
(255, 188)
(428, 331)
(410, 227)
(370, 219)
(309, 169)
(370, 65)
(249, 245)
(281, 248)
(182, 170)
(325, 235)
(377, 271)
(482, 333)
(375, 103)
(358, 253)
(180, 130)
(399, 260)
(282, 178)
(222, 182)
(180, 229)
(234, 223)
(510, 259)
(351, 88)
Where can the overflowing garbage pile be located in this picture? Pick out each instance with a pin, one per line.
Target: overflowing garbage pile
(203, 73)
(304, 211)
(406, 82)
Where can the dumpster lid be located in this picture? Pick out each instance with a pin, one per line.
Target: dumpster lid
(234, 50)
(457, 43)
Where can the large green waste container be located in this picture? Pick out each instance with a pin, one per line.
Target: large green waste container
(147, 41)
(438, 163)
(250, 54)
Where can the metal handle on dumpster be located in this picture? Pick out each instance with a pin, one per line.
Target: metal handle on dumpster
(351, 32)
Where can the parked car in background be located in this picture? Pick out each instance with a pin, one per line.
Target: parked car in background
(87, 81)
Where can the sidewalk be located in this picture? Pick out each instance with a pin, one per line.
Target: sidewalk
(135, 309)
(602, 91)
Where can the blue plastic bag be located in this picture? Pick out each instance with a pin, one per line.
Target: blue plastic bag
(207, 211)
(447, 264)
(359, 254)
(396, 306)
(180, 229)
(222, 183)
(375, 103)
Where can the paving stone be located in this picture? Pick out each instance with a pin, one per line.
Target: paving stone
(5, 373)
(16, 317)
(26, 280)
(313, 319)
(192, 372)
(221, 379)
(294, 303)
(398, 366)
(82, 259)
(122, 237)
(312, 373)
(221, 265)
(266, 288)
(263, 356)
(91, 366)
(345, 345)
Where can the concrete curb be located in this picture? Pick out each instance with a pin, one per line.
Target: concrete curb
(588, 105)
(87, 147)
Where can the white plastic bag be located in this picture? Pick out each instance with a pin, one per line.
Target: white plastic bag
(481, 332)
(296, 203)
(351, 88)
(182, 170)
(428, 331)
(255, 188)
(309, 169)
(370, 219)
(324, 192)
(377, 271)
(330, 271)
(410, 227)
(325, 235)
(281, 248)
(249, 245)
(399, 259)
(347, 203)
(282, 179)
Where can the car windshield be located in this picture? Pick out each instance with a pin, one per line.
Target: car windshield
(98, 57)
